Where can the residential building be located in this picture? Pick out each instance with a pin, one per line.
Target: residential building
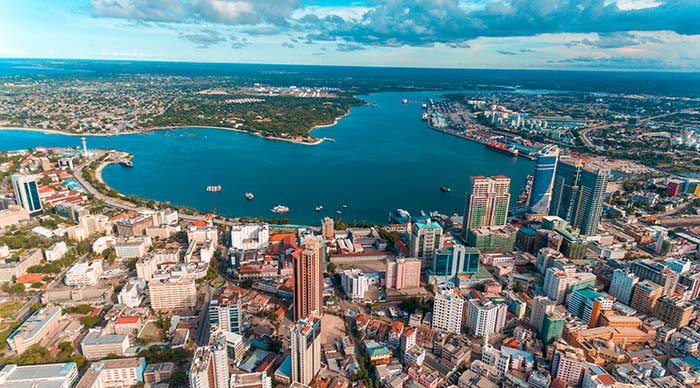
(83, 274)
(487, 202)
(251, 380)
(578, 193)
(355, 284)
(96, 346)
(116, 373)
(37, 329)
(656, 272)
(622, 284)
(403, 273)
(675, 311)
(26, 189)
(202, 369)
(131, 247)
(568, 363)
(553, 325)
(645, 295)
(219, 352)
(133, 293)
(485, 317)
(543, 180)
(328, 228)
(61, 375)
(448, 310)
(135, 223)
(250, 236)
(540, 306)
(15, 269)
(158, 373)
(225, 314)
(308, 280)
(305, 341)
(56, 251)
(172, 294)
(426, 238)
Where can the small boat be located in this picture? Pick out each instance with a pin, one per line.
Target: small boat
(345, 206)
(126, 163)
(425, 116)
(319, 208)
(279, 209)
(249, 196)
(404, 101)
(424, 105)
(445, 189)
(214, 189)
(339, 212)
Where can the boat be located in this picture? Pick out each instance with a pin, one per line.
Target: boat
(425, 116)
(214, 189)
(425, 106)
(445, 189)
(345, 206)
(339, 212)
(126, 163)
(249, 195)
(404, 101)
(279, 209)
(319, 208)
(496, 146)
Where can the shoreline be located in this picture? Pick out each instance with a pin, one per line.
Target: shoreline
(47, 131)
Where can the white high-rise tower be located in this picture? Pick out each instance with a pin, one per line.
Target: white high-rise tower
(85, 152)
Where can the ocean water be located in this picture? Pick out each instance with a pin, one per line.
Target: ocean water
(384, 158)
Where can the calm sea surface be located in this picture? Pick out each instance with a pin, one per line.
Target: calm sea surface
(384, 158)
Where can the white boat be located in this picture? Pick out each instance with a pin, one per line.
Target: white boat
(345, 206)
(214, 189)
(319, 208)
(279, 209)
(339, 212)
(249, 195)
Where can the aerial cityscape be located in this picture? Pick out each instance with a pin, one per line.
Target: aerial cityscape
(337, 194)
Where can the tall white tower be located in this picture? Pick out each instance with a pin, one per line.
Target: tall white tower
(85, 152)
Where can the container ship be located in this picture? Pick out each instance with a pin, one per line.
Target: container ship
(496, 146)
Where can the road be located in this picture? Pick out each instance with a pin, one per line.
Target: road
(202, 337)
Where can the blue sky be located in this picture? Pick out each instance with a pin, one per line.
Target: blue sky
(530, 34)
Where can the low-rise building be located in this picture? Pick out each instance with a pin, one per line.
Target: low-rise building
(130, 247)
(15, 269)
(84, 274)
(37, 329)
(96, 346)
(56, 251)
(59, 375)
(116, 373)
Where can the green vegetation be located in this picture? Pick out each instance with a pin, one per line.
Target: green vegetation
(8, 308)
(110, 254)
(178, 378)
(81, 309)
(16, 288)
(157, 354)
(56, 266)
(89, 322)
(6, 333)
(20, 239)
(413, 303)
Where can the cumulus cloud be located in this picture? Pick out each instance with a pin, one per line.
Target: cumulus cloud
(204, 38)
(234, 12)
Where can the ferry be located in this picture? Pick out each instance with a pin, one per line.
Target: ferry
(214, 189)
(445, 189)
(126, 163)
(496, 146)
(319, 208)
(249, 196)
(279, 209)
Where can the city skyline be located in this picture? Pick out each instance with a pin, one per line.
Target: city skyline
(602, 35)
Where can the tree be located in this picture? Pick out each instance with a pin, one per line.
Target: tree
(110, 254)
(89, 321)
(330, 267)
(178, 378)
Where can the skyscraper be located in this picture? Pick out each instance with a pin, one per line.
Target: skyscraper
(426, 238)
(541, 192)
(487, 202)
(305, 342)
(485, 317)
(448, 310)
(577, 194)
(26, 191)
(308, 280)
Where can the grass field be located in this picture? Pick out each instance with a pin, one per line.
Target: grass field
(10, 307)
(150, 333)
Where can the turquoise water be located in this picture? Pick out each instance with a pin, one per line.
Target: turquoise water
(384, 158)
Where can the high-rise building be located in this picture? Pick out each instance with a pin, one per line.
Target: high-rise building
(622, 284)
(541, 305)
(568, 363)
(355, 284)
(541, 192)
(328, 228)
(305, 342)
(645, 295)
(403, 273)
(487, 202)
(674, 311)
(426, 238)
(456, 259)
(553, 325)
(225, 314)
(219, 353)
(555, 283)
(308, 280)
(577, 194)
(588, 305)
(172, 294)
(448, 310)
(202, 369)
(485, 317)
(26, 189)
(657, 273)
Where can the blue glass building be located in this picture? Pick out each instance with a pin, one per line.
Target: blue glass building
(541, 192)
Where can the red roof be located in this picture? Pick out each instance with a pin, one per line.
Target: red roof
(30, 278)
(126, 320)
(605, 379)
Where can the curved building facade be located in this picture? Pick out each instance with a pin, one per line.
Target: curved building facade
(541, 192)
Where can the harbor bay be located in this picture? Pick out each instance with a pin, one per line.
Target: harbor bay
(383, 157)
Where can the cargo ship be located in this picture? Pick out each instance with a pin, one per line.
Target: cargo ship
(496, 146)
